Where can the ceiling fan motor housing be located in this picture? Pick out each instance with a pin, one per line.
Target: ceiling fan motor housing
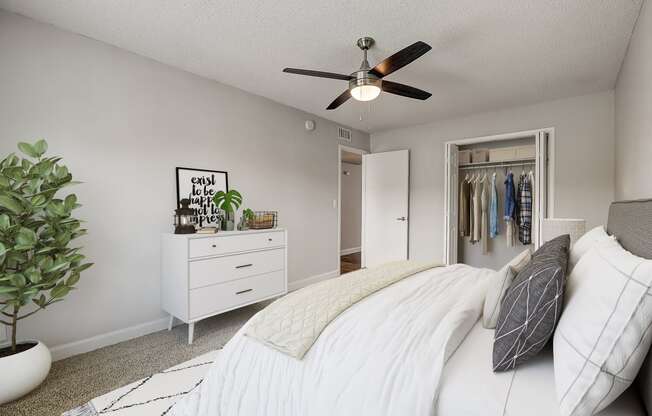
(363, 77)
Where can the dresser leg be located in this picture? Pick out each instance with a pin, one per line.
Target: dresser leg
(170, 323)
(191, 332)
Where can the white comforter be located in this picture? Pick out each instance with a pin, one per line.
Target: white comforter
(383, 356)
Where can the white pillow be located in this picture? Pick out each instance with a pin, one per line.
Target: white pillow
(498, 285)
(604, 333)
(585, 243)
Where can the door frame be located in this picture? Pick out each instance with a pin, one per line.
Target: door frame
(550, 178)
(340, 148)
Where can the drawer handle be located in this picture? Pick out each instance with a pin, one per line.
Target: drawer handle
(243, 266)
(213, 245)
(243, 291)
(269, 239)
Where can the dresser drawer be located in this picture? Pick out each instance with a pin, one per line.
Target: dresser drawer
(223, 269)
(216, 298)
(202, 247)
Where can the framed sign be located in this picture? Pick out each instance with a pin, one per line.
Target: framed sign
(200, 185)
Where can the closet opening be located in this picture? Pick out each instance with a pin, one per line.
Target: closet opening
(349, 248)
(498, 190)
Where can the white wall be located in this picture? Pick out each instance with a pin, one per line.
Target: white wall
(584, 160)
(351, 206)
(634, 114)
(123, 123)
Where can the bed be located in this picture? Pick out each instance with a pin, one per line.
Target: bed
(470, 387)
(415, 347)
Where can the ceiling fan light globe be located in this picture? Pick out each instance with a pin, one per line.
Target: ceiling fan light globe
(365, 92)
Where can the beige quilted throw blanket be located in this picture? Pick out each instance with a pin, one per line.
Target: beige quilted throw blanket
(292, 323)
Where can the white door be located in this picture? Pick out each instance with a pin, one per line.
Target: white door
(385, 207)
(452, 196)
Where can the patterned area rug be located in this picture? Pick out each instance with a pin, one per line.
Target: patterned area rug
(152, 396)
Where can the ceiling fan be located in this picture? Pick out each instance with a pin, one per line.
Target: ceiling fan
(366, 83)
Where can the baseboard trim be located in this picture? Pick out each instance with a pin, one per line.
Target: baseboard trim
(352, 250)
(312, 279)
(90, 344)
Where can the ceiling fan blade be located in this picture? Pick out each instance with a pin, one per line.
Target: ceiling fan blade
(319, 74)
(404, 90)
(339, 100)
(400, 59)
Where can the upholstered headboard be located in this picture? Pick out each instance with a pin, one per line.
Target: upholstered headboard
(631, 223)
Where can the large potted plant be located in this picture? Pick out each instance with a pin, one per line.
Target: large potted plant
(229, 202)
(38, 266)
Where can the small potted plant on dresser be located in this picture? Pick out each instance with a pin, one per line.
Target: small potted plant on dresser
(245, 219)
(229, 202)
(37, 265)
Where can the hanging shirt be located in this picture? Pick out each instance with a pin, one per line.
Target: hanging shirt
(471, 222)
(464, 209)
(477, 212)
(525, 210)
(510, 210)
(484, 206)
(510, 197)
(493, 209)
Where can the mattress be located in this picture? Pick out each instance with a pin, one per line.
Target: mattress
(470, 387)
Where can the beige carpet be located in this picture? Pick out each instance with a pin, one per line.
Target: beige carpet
(76, 380)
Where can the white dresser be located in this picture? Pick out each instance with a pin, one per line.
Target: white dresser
(205, 275)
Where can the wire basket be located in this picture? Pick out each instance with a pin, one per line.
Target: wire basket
(263, 219)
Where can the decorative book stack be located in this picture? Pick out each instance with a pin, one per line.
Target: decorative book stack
(207, 230)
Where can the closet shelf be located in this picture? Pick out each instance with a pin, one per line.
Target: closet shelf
(484, 165)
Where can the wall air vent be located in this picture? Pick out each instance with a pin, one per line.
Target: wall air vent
(344, 134)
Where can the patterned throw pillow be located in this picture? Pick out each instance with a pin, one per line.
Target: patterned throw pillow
(532, 306)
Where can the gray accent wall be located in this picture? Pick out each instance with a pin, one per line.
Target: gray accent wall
(584, 160)
(123, 123)
(634, 114)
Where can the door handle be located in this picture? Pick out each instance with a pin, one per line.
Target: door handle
(401, 219)
(243, 266)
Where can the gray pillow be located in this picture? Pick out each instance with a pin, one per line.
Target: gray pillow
(532, 306)
(558, 247)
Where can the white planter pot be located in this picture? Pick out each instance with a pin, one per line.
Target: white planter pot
(23, 372)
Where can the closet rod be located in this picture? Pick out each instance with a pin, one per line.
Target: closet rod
(488, 165)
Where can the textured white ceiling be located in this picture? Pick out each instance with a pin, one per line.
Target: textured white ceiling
(486, 55)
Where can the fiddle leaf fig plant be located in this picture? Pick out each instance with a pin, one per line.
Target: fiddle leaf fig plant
(38, 264)
(228, 201)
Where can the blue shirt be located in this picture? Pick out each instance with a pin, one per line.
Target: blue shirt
(510, 197)
(493, 209)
